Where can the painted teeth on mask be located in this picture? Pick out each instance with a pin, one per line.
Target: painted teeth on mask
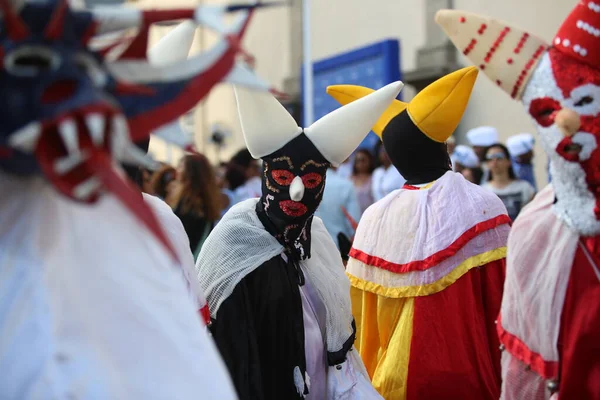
(26, 138)
(88, 187)
(119, 137)
(96, 123)
(68, 133)
(66, 164)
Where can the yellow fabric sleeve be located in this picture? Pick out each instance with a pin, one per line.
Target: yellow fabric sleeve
(384, 325)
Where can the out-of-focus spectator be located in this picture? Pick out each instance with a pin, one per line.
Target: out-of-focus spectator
(521, 150)
(451, 145)
(161, 180)
(473, 175)
(339, 207)
(146, 179)
(195, 198)
(345, 169)
(481, 138)
(252, 186)
(227, 196)
(464, 157)
(362, 178)
(514, 193)
(386, 178)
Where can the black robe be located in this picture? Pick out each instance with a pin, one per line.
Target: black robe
(259, 330)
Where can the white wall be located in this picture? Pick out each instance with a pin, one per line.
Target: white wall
(342, 25)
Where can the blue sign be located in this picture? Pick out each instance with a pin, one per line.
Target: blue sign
(373, 66)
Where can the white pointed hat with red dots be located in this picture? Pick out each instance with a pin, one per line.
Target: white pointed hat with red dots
(509, 55)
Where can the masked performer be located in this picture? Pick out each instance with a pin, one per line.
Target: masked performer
(427, 263)
(550, 318)
(92, 300)
(272, 275)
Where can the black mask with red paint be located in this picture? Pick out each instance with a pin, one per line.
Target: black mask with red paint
(293, 182)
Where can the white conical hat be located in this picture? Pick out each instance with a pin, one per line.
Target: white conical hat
(174, 46)
(338, 133)
(507, 55)
(268, 126)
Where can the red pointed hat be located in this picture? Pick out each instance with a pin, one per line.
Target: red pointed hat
(579, 35)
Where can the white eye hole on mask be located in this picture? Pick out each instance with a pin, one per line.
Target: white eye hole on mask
(585, 100)
(30, 61)
(297, 189)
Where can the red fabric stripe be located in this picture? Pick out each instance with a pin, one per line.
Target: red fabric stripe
(205, 314)
(410, 187)
(454, 350)
(436, 258)
(518, 349)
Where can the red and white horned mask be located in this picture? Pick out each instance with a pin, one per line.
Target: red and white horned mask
(559, 85)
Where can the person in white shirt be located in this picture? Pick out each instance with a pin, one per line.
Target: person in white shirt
(386, 178)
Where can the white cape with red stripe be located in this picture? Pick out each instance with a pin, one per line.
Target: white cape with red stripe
(417, 237)
(538, 265)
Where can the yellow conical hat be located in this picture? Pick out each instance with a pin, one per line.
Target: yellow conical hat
(436, 110)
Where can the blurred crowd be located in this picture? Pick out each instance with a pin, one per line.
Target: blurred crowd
(200, 193)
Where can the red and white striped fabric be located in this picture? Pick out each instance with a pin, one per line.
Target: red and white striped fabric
(434, 241)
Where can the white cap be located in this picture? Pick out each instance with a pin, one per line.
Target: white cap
(268, 126)
(520, 144)
(451, 140)
(465, 155)
(483, 136)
